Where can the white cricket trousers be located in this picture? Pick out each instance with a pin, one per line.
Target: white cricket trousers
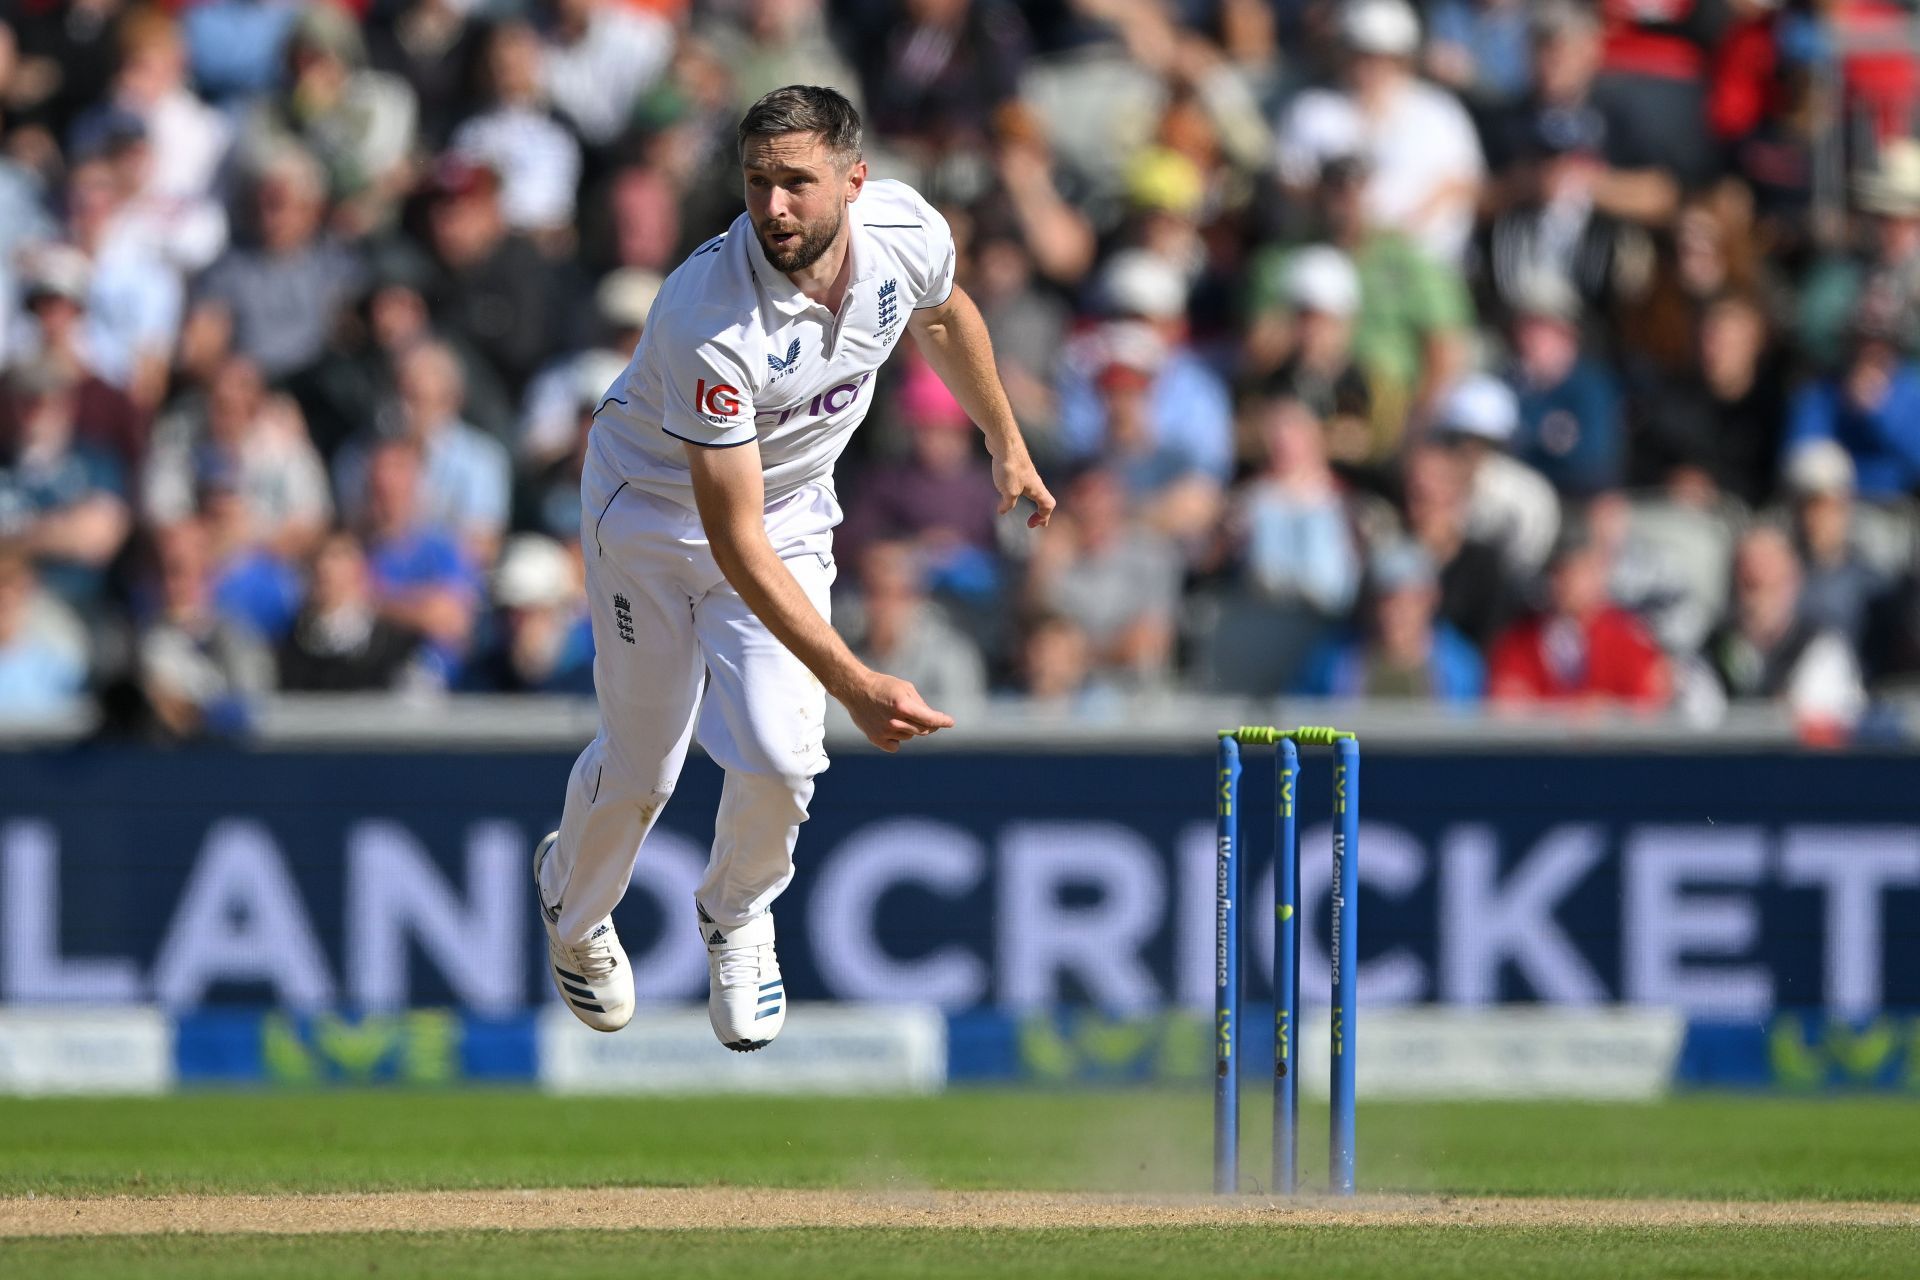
(678, 652)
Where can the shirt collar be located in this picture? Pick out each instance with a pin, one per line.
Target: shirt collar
(786, 296)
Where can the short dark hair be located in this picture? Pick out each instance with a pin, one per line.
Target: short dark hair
(805, 108)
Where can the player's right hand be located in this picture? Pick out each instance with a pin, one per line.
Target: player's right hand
(890, 710)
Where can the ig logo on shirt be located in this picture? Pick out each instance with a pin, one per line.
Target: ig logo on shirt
(717, 401)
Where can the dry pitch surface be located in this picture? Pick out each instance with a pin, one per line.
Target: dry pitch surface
(406, 1185)
(716, 1207)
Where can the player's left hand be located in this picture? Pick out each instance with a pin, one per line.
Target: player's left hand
(1018, 479)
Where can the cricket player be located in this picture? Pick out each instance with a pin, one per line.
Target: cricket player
(707, 529)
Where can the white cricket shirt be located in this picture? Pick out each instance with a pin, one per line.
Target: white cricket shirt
(733, 352)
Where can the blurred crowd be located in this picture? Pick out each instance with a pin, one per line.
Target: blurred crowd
(1518, 350)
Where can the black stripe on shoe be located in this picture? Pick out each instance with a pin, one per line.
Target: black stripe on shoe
(570, 977)
(590, 1008)
(582, 992)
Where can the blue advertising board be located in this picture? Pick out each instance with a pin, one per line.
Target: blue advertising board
(1730, 886)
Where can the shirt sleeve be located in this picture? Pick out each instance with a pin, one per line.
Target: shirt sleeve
(708, 398)
(940, 261)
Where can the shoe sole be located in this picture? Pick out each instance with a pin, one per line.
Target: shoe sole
(747, 1046)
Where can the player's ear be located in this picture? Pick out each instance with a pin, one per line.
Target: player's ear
(856, 179)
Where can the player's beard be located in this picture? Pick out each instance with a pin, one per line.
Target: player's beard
(798, 255)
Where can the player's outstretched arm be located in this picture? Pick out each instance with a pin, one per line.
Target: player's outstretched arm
(954, 339)
(730, 491)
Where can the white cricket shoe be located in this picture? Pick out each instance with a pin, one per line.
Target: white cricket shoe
(593, 977)
(746, 999)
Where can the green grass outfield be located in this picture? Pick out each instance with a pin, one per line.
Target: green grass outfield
(1697, 1148)
(1230, 1253)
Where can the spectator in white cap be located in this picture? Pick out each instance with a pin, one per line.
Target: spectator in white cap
(1417, 138)
(1414, 314)
(1842, 576)
(1318, 366)
(1886, 200)
(1509, 504)
(1478, 593)
(1322, 279)
(1166, 486)
(1188, 413)
(538, 639)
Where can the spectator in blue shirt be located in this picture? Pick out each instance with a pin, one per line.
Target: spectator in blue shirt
(253, 582)
(1570, 420)
(237, 47)
(466, 476)
(1481, 49)
(1189, 415)
(423, 580)
(1841, 578)
(1405, 652)
(39, 675)
(1291, 516)
(1872, 410)
(60, 496)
